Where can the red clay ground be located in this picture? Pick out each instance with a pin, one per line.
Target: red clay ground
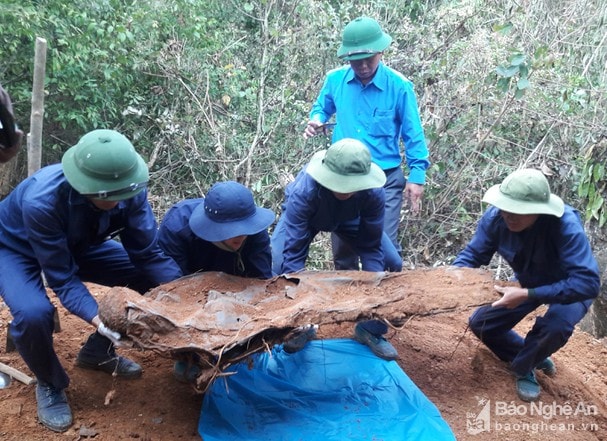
(446, 362)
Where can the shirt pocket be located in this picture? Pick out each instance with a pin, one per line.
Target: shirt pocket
(383, 123)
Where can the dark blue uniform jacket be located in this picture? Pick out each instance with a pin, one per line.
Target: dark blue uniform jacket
(311, 208)
(46, 220)
(193, 254)
(553, 256)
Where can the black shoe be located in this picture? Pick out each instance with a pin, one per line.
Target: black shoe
(53, 410)
(185, 372)
(377, 343)
(527, 387)
(547, 366)
(299, 337)
(111, 364)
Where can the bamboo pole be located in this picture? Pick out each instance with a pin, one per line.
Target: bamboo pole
(34, 138)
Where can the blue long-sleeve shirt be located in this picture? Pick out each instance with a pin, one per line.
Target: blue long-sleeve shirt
(311, 208)
(46, 220)
(553, 256)
(380, 114)
(193, 254)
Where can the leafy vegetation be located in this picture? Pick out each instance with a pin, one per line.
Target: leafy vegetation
(219, 90)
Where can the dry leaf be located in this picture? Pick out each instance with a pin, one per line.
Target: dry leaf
(109, 397)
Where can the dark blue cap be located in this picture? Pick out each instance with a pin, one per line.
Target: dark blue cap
(229, 211)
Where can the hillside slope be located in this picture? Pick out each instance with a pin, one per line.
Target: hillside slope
(436, 351)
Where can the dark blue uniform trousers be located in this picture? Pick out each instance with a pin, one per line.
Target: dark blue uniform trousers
(22, 289)
(493, 326)
(346, 232)
(345, 258)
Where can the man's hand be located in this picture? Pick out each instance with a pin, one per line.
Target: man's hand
(113, 336)
(413, 194)
(313, 128)
(512, 296)
(107, 332)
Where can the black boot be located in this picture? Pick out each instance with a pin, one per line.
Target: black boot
(98, 353)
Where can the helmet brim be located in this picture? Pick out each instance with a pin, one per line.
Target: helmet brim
(360, 52)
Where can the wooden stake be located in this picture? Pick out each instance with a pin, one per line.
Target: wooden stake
(34, 138)
(16, 374)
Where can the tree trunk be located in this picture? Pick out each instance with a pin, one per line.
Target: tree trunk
(595, 322)
(34, 141)
(10, 174)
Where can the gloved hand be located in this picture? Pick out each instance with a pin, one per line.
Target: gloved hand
(112, 335)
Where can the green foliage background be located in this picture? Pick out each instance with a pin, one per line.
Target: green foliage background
(214, 90)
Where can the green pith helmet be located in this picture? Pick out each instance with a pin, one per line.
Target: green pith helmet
(105, 165)
(525, 191)
(362, 38)
(346, 167)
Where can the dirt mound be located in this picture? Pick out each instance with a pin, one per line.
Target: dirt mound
(471, 388)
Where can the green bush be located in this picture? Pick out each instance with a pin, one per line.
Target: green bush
(219, 90)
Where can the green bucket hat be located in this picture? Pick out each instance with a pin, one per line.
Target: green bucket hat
(346, 167)
(525, 191)
(105, 165)
(362, 38)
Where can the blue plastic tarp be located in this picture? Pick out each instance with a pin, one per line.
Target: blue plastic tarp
(331, 390)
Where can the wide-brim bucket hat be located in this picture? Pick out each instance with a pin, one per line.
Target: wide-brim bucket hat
(525, 191)
(346, 167)
(362, 38)
(228, 211)
(104, 165)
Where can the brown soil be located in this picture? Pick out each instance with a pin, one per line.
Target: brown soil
(446, 362)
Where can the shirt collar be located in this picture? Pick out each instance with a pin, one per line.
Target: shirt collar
(77, 199)
(74, 197)
(379, 79)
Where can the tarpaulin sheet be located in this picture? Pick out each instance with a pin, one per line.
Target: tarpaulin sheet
(331, 390)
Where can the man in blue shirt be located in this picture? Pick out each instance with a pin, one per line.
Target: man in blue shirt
(60, 222)
(543, 240)
(376, 105)
(341, 191)
(225, 232)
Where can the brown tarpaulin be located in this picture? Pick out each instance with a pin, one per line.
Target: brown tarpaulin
(224, 318)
